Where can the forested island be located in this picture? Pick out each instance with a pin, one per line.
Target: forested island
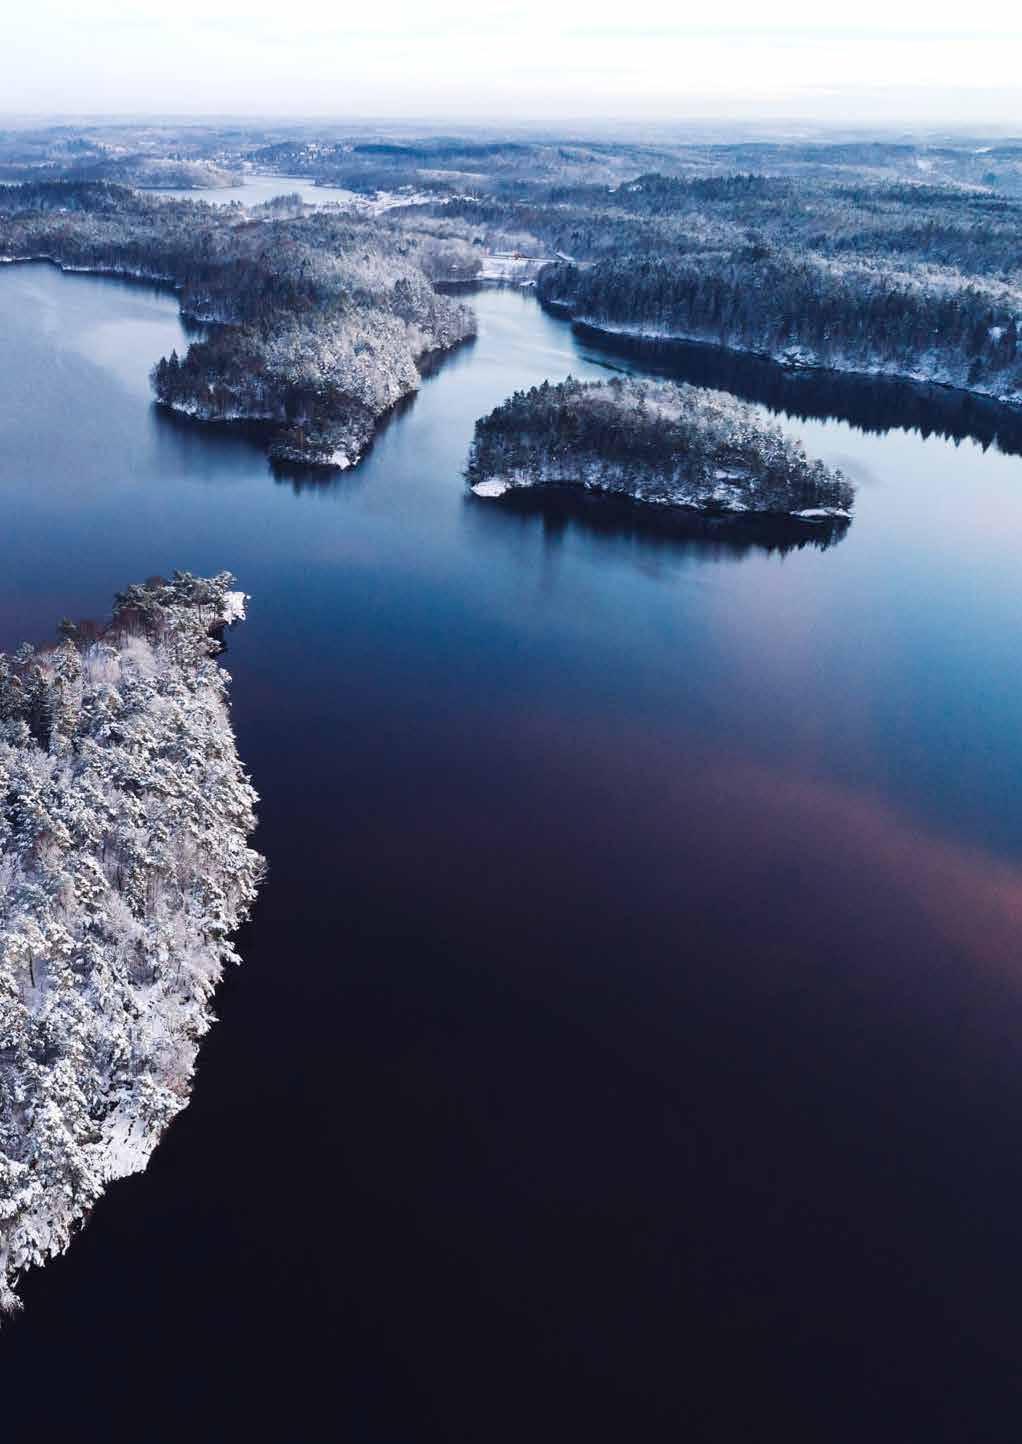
(655, 443)
(317, 322)
(124, 872)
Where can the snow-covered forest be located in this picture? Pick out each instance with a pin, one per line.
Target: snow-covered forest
(913, 280)
(486, 160)
(853, 315)
(124, 872)
(828, 257)
(654, 442)
(318, 320)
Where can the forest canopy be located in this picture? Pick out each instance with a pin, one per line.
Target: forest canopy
(125, 871)
(651, 442)
(317, 321)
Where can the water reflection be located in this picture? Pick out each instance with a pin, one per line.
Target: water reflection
(306, 479)
(190, 435)
(205, 446)
(656, 530)
(644, 932)
(869, 403)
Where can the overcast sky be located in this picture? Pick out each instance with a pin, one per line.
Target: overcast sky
(536, 59)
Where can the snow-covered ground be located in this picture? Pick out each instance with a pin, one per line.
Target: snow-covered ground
(510, 267)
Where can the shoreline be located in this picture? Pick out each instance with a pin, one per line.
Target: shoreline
(338, 460)
(138, 1013)
(614, 513)
(499, 488)
(664, 343)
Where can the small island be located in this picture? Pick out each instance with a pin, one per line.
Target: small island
(124, 872)
(655, 443)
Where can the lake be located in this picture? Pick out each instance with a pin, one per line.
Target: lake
(256, 189)
(627, 1043)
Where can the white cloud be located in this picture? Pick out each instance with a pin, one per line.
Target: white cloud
(514, 61)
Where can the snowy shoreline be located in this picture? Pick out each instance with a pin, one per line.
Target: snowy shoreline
(125, 871)
(660, 445)
(793, 360)
(594, 485)
(336, 445)
(126, 273)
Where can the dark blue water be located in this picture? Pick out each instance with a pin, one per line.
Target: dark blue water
(628, 1042)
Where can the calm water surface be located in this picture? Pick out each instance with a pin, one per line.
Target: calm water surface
(628, 1043)
(255, 189)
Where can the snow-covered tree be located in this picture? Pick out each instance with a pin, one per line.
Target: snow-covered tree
(653, 442)
(321, 318)
(124, 872)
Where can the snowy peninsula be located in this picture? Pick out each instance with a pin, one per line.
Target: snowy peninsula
(313, 326)
(124, 872)
(652, 442)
